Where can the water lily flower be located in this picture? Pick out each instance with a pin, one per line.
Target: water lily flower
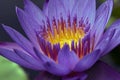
(65, 39)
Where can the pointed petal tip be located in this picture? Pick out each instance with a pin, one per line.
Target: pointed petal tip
(66, 47)
(5, 27)
(18, 10)
(19, 13)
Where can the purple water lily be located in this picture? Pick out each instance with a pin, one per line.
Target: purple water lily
(65, 39)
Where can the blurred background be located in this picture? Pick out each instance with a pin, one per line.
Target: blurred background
(8, 17)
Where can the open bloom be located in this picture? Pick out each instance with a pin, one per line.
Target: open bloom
(66, 38)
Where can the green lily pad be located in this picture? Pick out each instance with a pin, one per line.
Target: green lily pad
(10, 70)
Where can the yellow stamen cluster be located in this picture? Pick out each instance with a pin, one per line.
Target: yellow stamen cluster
(63, 34)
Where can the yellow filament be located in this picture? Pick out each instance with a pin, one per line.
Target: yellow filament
(62, 35)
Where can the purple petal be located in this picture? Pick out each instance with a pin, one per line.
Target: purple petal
(45, 7)
(112, 36)
(87, 61)
(34, 12)
(68, 4)
(56, 10)
(85, 9)
(17, 59)
(56, 69)
(101, 71)
(90, 11)
(10, 46)
(42, 56)
(102, 16)
(67, 58)
(28, 25)
(103, 45)
(19, 39)
(51, 66)
(30, 59)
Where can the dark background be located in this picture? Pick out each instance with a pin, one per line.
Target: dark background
(8, 17)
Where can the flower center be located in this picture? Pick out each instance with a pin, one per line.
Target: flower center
(62, 34)
(54, 36)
